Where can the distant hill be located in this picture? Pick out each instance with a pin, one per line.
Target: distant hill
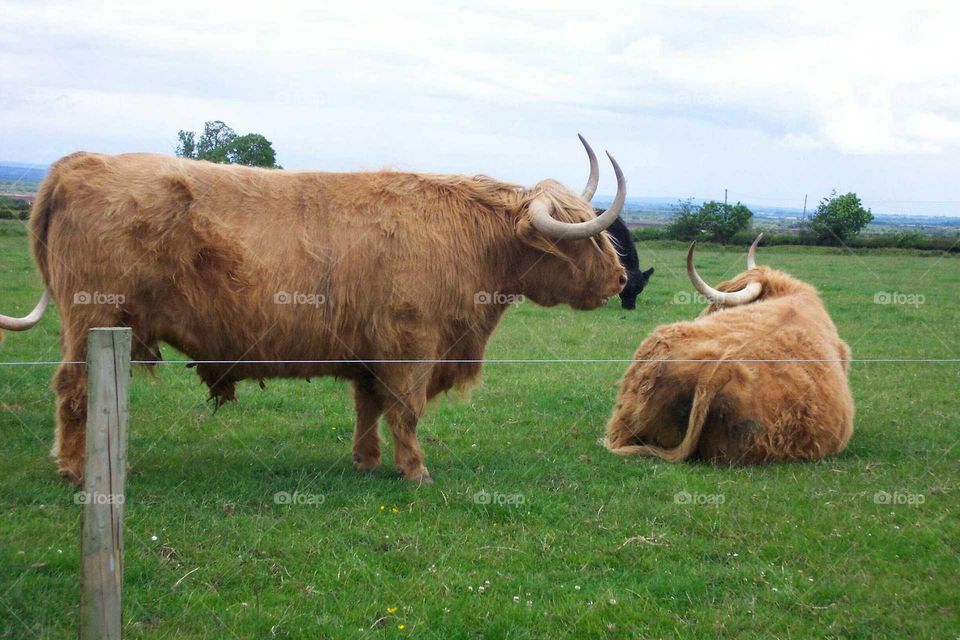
(21, 172)
(640, 211)
(668, 206)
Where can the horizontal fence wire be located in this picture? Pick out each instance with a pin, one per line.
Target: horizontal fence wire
(509, 361)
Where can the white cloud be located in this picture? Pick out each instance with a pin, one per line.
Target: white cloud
(494, 88)
(802, 141)
(934, 128)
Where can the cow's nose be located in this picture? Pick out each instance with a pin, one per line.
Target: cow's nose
(623, 279)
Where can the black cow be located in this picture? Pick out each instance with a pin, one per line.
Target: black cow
(636, 279)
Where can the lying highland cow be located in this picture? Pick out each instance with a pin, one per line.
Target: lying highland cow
(760, 376)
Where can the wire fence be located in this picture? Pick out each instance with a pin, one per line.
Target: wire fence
(507, 361)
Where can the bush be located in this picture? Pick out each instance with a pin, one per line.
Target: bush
(687, 223)
(901, 240)
(641, 234)
(723, 221)
(907, 240)
(13, 209)
(839, 218)
(713, 220)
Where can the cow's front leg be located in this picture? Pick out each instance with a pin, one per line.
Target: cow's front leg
(404, 394)
(406, 448)
(366, 436)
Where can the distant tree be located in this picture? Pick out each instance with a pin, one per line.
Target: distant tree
(220, 143)
(722, 221)
(187, 144)
(686, 223)
(252, 150)
(839, 218)
(214, 143)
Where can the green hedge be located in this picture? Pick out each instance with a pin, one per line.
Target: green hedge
(13, 209)
(900, 240)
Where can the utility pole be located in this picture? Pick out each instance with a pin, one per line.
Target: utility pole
(724, 198)
(804, 207)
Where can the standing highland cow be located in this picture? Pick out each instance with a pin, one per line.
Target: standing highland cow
(760, 376)
(394, 281)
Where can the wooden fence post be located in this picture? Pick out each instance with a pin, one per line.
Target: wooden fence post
(104, 483)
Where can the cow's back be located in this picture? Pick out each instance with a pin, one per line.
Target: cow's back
(802, 407)
(227, 261)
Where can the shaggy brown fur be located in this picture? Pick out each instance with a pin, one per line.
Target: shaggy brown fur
(195, 255)
(704, 402)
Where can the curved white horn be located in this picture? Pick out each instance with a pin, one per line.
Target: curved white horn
(594, 178)
(541, 218)
(29, 320)
(732, 299)
(752, 254)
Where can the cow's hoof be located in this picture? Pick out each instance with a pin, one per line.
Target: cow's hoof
(365, 464)
(366, 467)
(420, 475)
(71, 473)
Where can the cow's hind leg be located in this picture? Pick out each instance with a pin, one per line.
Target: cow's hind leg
(70, 385)
(366, 436)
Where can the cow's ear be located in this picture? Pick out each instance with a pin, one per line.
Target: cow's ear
(648, 272)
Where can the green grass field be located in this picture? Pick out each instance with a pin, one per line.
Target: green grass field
(584, 545)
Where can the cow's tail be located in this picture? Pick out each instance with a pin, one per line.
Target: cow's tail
(40, 214)
(704, 396)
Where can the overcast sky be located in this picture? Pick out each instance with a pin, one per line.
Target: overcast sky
(771, 103)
